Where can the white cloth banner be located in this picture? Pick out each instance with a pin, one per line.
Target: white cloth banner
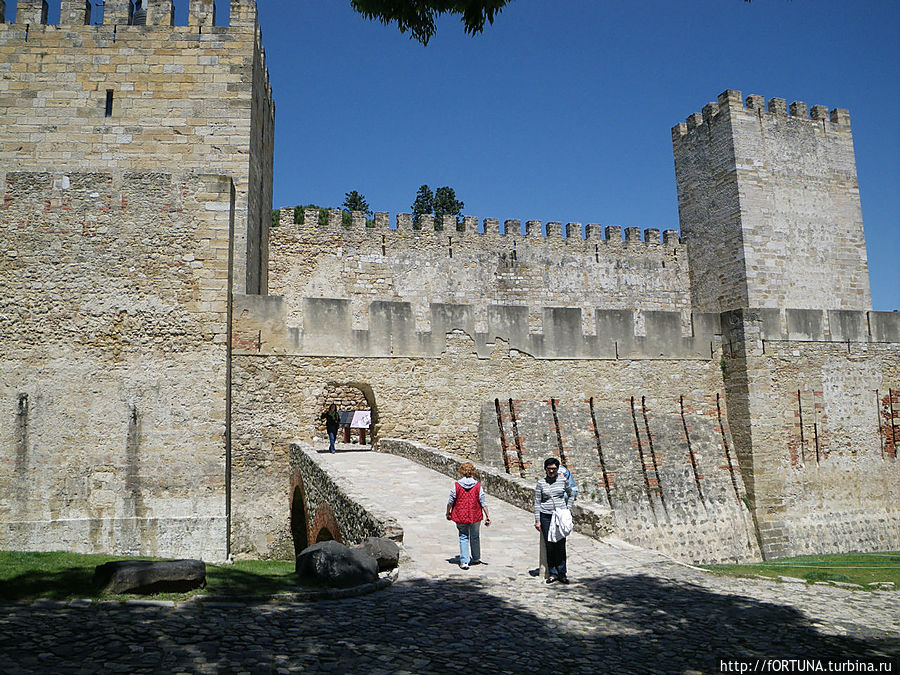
(362, 419)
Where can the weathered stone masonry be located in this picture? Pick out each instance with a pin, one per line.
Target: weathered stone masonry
(135, 173)
(775, 200)
(190, 98)
(113, 362)
(720, 395)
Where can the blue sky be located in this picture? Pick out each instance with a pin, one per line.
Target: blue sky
(562, 110)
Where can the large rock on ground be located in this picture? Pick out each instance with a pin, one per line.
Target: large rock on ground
(330, 563)
(385, 552)
(150, 576)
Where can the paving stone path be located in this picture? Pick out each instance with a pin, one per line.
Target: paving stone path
(627, 611)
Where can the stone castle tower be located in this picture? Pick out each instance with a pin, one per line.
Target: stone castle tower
(774, 199)
(136, 177)
(121, 97)
(721, 394)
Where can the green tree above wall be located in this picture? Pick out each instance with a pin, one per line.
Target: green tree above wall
(424, 203)
(353, 201)
(446, 204)
(441, 202)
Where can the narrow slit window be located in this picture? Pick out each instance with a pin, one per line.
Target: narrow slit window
(109, 102)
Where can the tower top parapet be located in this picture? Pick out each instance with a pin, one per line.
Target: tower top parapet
(732, 101)
(201, 13)
(768, 201)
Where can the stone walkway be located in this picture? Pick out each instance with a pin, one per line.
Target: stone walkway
(627, 611)
(417, 498)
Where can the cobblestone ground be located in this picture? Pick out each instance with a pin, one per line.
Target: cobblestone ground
(627, 611)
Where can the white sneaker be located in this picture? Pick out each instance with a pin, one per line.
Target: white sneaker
(463, 566)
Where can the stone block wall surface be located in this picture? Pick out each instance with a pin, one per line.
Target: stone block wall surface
(113, 362)
(426, 267)
(815, 429)
(156, 97)
(260, 171)
(769, 207)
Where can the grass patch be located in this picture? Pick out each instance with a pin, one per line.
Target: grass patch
(855, 568)
(65, 576)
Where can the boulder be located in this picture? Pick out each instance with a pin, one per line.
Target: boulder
(385, 552)
(330, 563)
(150, 576)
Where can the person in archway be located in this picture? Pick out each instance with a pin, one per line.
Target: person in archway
(552, 492)
(465, 508)
(332, 420)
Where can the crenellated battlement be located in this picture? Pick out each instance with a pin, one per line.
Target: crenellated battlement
(201, 13)
(476, 262)
(749, 233)
(134, 23)
(532, 230)
(731, 101)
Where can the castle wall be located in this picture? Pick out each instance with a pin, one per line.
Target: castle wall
(260, 326)
(769, 206)
(813, 407)
(680, 451)
(661, 460)
(426, 267)
(445, 399)
(181, 98)
(113, 362)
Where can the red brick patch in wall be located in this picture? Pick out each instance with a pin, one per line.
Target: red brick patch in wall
(889, 409)
(325, 525)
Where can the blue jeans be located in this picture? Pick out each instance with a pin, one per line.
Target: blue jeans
(556, 550)
(469, 540)
(331, 436)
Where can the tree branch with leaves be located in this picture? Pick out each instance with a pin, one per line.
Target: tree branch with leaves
(418, 16)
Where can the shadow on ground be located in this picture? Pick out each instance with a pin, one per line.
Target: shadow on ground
(617, 624)
(77, 582)
(55, 585)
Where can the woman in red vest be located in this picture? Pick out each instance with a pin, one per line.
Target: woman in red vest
(464, 508)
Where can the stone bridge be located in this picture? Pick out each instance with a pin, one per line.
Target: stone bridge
(353, 494)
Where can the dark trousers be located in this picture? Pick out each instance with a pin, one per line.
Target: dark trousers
(556, 550)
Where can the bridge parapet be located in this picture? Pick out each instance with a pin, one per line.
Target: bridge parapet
(592, 520)
(325, 506)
